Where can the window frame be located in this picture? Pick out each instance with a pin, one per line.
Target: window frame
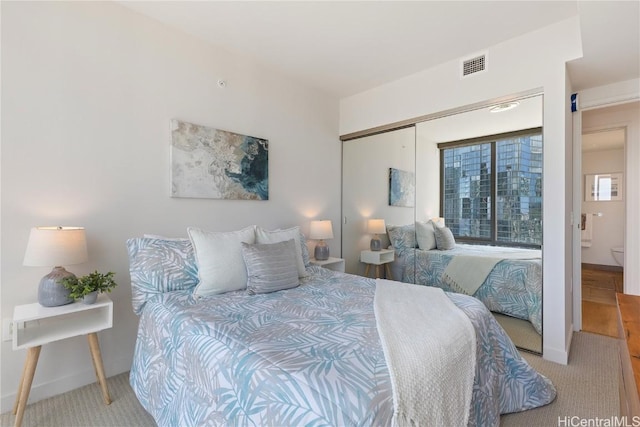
(488, 139)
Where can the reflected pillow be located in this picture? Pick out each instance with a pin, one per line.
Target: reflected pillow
(444, 238)
(219, 256)
(275, 236)
(270, 266)
(425, 235)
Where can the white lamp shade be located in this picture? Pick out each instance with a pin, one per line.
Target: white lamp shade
(321, 230)
(376, 226)
(56, 246)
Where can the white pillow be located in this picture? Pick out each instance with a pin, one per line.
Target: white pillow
(425, 235)
(221, 267)
(276, 236)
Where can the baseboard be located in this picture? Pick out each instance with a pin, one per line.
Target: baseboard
(602, 267)
(64, 384)
(557, 355)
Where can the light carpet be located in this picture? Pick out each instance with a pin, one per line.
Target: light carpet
(587, 388)
(84, 407)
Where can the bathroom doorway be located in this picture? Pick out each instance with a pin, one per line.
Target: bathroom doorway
(602, 227)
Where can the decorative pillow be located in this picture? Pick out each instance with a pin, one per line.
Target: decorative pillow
(425, 235)
(275, 236)
(306, 259)
(219, 258)
(157, 266)
(159, 237)
(402, 236)
(444, 238)
(270, 266)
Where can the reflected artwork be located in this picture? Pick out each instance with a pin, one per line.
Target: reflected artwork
(401, 188)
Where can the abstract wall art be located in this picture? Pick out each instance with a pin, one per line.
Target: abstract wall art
(402, 188)
(216, 164)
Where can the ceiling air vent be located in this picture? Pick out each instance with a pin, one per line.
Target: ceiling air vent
(474, 65)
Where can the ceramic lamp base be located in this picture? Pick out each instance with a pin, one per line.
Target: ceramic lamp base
(50, 292)
(375, 244)
(321, 252)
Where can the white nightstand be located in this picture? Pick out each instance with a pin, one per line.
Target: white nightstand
(335, 264)
(380, 258)
(35, 325)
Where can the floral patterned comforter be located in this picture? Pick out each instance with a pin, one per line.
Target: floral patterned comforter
(514, 286)
(304, 356)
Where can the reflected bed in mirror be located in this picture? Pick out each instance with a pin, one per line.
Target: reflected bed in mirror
(482, 172)
(507, 280)
(512, 288)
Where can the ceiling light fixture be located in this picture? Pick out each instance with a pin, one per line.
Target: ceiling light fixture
(504, 107)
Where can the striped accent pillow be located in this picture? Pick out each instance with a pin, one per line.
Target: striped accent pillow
(270, 266)
(444, 238)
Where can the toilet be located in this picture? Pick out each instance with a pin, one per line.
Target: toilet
(618, 255)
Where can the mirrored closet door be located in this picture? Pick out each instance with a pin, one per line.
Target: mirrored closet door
(378, 185)
(481, 172)
(478, 173)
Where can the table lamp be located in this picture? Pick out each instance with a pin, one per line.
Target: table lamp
(375, 227)
(321, 230)
(55, 247)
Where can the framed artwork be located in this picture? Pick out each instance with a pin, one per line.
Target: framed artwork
(402, 188)
(603, 187)
(216, 164)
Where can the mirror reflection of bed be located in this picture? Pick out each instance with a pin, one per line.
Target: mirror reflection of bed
(499, 262)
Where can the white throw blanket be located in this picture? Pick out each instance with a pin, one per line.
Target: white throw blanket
(466, 273)
(430, 348)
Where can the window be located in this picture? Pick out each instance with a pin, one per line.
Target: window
(491, 188)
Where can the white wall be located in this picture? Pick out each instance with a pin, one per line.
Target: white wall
(608, 229)
(88, 91)
(535, 60)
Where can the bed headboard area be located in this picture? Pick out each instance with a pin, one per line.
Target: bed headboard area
(205, 263)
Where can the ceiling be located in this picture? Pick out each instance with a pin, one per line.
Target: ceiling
(346, 47)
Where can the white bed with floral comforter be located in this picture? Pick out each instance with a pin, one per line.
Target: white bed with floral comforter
(304, 356)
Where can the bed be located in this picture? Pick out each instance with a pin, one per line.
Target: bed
(308, 355)
(511, 283)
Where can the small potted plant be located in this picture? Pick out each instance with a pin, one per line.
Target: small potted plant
(88, 287)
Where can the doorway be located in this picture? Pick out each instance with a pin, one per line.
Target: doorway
(602, 227)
